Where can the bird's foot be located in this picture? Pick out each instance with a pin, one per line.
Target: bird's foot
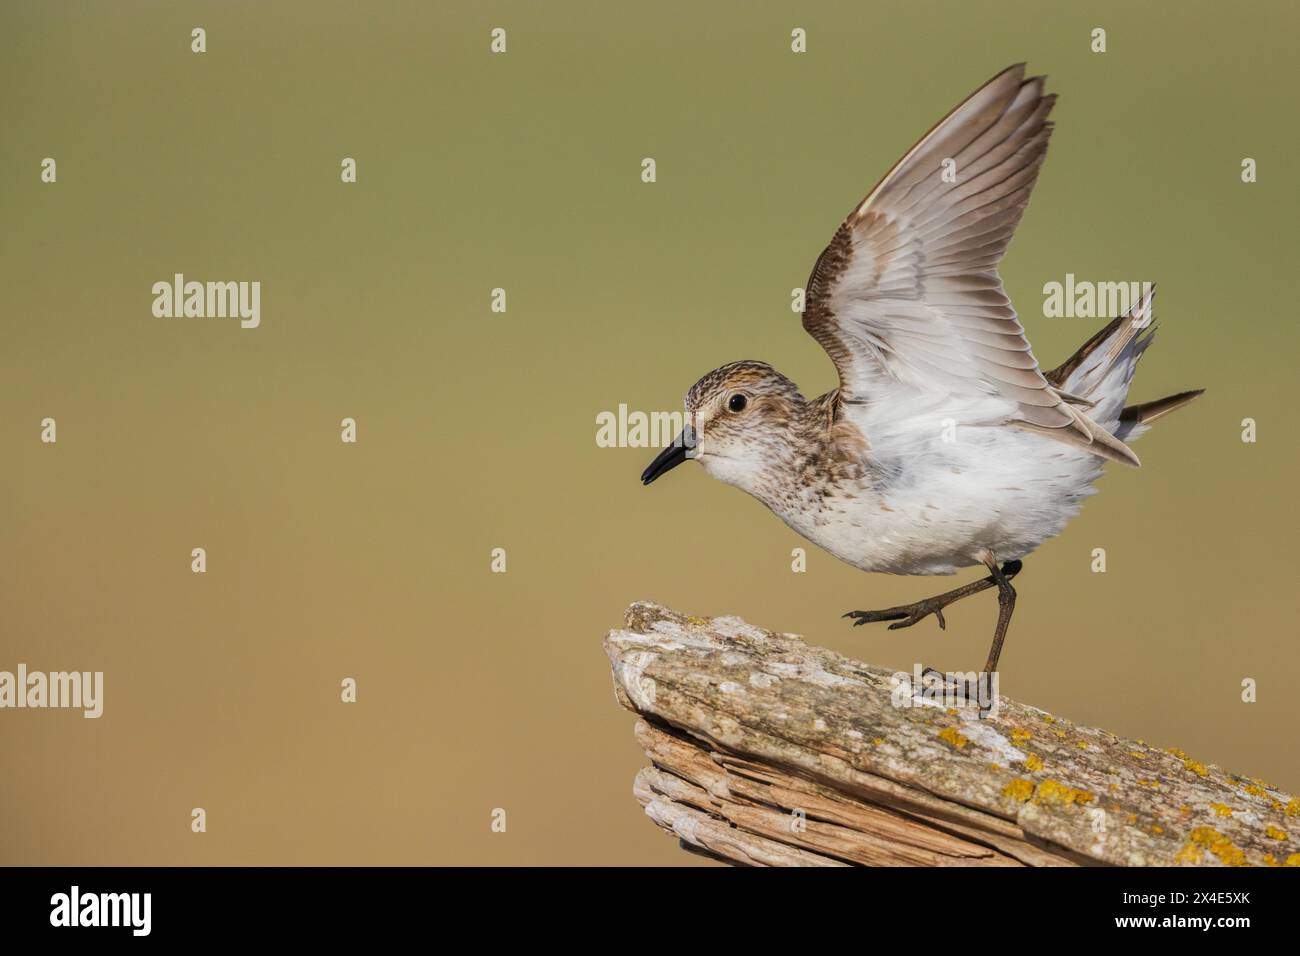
(905, 615)
(956, 688)
(947, 680)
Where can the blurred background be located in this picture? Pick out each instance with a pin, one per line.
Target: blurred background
(477, 430)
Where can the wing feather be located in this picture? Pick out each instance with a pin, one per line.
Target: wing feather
(908, 289)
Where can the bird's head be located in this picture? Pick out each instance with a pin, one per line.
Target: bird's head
(737, 424)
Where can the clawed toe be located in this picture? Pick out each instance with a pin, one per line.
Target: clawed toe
(950, 683)
(956, 687)
(947, 680)
(918, 613)
(904, 616)
(871, 617)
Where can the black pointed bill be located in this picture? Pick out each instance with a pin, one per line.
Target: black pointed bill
(671, 457)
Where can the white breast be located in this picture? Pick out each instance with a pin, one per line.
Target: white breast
(946, 485)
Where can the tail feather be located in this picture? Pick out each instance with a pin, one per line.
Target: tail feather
(1097, 377)
(1102, 368)
(1150, 411)
(1135, 419)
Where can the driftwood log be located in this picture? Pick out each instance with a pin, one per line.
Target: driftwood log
(766, 750)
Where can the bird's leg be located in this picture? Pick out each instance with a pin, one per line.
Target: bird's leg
(1006, 607)
(905, 615)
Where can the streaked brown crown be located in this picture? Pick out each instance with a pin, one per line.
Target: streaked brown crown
(755, 379)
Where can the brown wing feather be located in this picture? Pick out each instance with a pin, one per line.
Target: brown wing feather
(908, 288)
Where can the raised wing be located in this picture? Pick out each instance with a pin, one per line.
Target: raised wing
(908, 290)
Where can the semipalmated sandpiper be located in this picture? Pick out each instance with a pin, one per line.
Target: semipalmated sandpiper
(944, 446)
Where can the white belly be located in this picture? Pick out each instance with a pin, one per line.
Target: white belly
(944, 504)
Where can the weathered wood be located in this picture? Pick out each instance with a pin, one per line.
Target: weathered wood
(768, 751)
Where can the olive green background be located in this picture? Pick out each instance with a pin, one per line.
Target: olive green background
(477, 430)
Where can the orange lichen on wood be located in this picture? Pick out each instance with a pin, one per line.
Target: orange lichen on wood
(1052, 791)
(1219, 845)
(950, 735)
(1019, 789)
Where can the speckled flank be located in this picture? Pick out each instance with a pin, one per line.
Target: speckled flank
(877, 484)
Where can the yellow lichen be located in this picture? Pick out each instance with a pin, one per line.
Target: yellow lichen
(1222, 810)
(1156, 828)
(1197, 768)
(1275, 833)
(1255, 791)
(1052, 791)
(878, 741)
(1293, 808)
(1190, 853)
(697, 621)
(951, 735)
(1218, 844)
(1019, 736)
(1033, 763)
(1082, 745)
(1137, 755)
(1292, 860)
(1019, 789)
(1271, 860)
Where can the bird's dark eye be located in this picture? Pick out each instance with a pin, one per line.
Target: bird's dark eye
(737, 402)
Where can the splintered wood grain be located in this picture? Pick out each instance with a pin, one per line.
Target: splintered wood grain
(769, 751)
